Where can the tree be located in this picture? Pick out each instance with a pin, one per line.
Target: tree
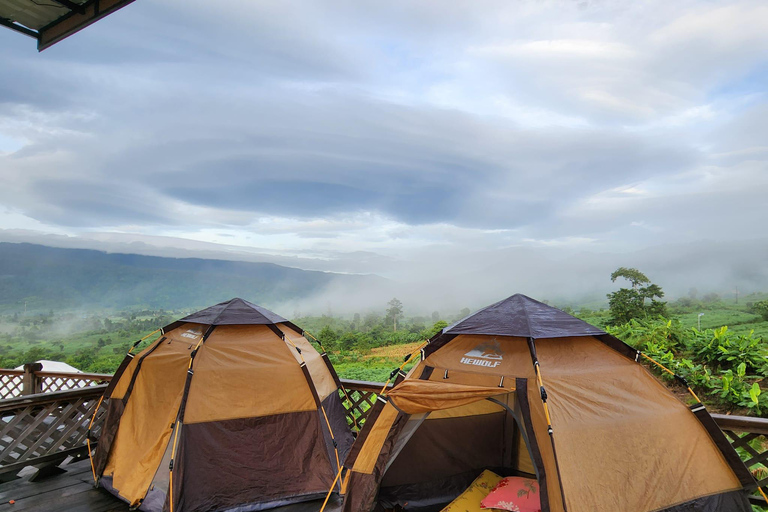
(394, 311)
(761, 308)
(327, 337)
(634, 276)
(636, 302)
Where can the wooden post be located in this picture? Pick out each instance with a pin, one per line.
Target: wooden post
(31, 384)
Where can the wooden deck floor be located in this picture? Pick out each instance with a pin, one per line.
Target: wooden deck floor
(73, 491)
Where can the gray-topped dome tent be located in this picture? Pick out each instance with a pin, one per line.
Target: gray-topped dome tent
(525, 389)
(231, 408)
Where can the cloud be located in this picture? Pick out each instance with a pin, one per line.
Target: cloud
(314, 134)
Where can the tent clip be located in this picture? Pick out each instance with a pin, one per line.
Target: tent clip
(445, 375)
(682, 380)
(501, 382)
(170, 466)
(393, 373)
(543, 394)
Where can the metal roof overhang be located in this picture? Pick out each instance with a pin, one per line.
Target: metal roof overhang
(50, 21)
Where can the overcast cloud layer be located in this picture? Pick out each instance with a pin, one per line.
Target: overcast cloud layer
(475, 148)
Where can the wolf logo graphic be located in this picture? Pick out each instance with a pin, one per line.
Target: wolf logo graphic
(486, 354)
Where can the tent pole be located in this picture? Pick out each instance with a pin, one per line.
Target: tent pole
(107, 394)
(535, 359)
(677, 377)
(180, 413)
(311, 385)
(405, 362)
(333, 371)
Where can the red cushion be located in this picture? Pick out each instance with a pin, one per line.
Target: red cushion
(515, 494)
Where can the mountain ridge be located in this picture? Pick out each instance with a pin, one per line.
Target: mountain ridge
(62, 278)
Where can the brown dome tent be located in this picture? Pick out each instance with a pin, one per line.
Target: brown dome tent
(231, 409)
(525, 389)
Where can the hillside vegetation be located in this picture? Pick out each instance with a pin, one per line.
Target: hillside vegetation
(42, 278)
(366, 346)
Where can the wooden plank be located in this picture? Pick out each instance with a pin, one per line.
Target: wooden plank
(23, 487)
(80, 497)
(48, 434)
(25, 434)
(73, 22)
(75, 422)
(11, 405)
(52, 457)
(741, 423)
(364, 385)
(17, 418)
(70, 491)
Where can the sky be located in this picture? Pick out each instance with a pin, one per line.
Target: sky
(474, 149)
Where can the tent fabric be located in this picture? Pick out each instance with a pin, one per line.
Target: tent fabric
(234, 381)
(287, 457)
(318, 366)
(416, 396)
(670, 451)
(144, 429)
(234, 312)
(524, 317)
(245, 423)
(619, 440)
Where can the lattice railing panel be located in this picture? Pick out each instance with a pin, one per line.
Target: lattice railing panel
(753, 449)
(58, 382)
(11, 383)
(47, 427)
(32, 380)
(362, 396)
(749, 436)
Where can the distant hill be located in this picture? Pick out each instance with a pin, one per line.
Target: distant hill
(53, 278)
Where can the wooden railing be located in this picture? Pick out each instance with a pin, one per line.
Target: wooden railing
(33, 380)
(750, 438)
(45, 428)
(362, 395)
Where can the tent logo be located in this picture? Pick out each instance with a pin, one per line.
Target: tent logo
(485, 354)
(191, 333)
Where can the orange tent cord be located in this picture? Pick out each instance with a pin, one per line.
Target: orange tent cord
(405, 362)
(88, 439)
(673, 374)
(330, 491)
